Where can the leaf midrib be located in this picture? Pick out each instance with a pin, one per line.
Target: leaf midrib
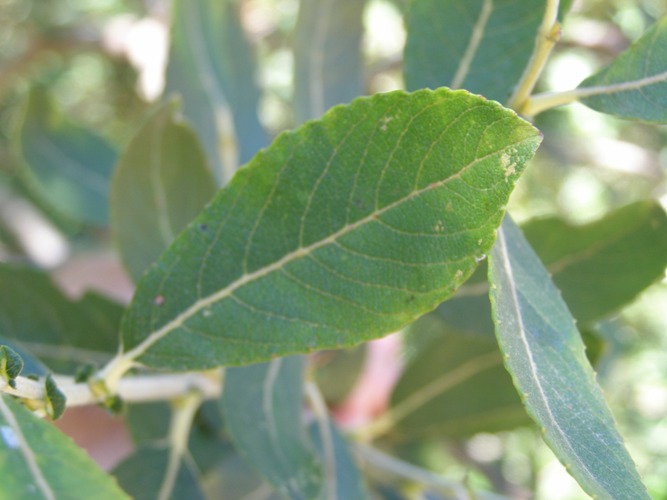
(300, 252)
(26, 451)
(532, 365)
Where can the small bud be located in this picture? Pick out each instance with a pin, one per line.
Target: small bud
(55, 399)
(11, 365)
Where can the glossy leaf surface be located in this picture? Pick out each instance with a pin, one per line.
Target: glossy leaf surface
(340, 232)
(41, 323)
(545, 355)
(211, 67)
(38, 461)
(160, 184)
(269, 397)
(65, 165)
(327, 56)
(634, 85)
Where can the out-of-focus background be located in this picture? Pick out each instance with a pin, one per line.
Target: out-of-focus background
(103, 63)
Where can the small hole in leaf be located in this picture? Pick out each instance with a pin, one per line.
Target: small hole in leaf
(158, 300)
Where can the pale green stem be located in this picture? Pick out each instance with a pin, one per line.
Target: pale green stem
(547, 36)
(548, 100)
(183, 413)
(143, 388)
(321, 413)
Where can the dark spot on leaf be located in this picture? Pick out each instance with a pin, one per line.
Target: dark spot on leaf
(203, 227)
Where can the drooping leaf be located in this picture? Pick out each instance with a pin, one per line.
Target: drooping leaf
(38, 320)
(211, 66)
(454, 386)
(11, 364)
(160, 184)
(327, 56)
(234, 479)
(65, 165)
(269, 396)
(142, 475)
(480, 45)
(634, 85)
(605, 264)
(545, 355)
(38, 461)
(55, 400)
(340, 232)
(344, 481)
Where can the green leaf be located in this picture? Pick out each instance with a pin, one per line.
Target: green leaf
(545, 355)
(344, 479)
(479, 45)
(270, 397)
(211, 66)
(342, 231)
(54, 399)
(39, 321)
(634, 85)
(337, 372)
(160, 184)
(64, 164)
(38, 461)
(605, 264)
(233, 479)
(455, 386)
(11, 364)
(142, 475)
(328, 61)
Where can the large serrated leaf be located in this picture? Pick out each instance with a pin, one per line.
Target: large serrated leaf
(327, 56)
(41, 323)
(211, 67)
(342, 231)
(66, 166)
(38, 461)
(160, 184)
(635, 84)
(270, 396)
(545, 355)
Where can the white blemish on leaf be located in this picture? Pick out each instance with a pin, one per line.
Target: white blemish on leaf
(9, 437)
(458, 275)
(385, 122)
(439, 227)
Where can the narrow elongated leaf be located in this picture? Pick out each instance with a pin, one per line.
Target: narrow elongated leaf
(545, 355)
(327, 56)
(160, 184)
(343, 231)
(40, 321)
(479, 45)
(38, 461)
(211, 66)
(635, 84)
(344, 479)
(605, 264)
(454, 386)
(142, 475)
(65, 165)
(270, 397)
(599, 267)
